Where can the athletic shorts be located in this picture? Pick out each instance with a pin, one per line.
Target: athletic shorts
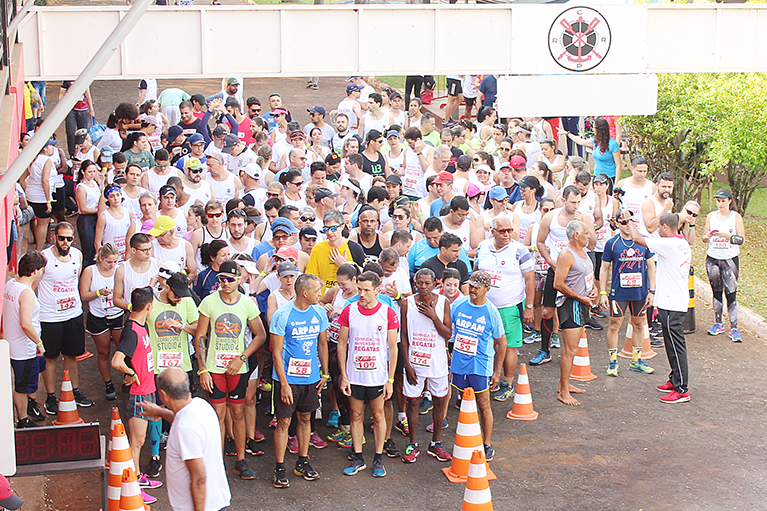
(549, 293)
(95, 325)
(253, 367)
(59, 199)
(63, 338)
(39, 209)
(470, 102)
(597, 264)
(475, 381)
(635, 308)
(437, 386)
(454, 87)
(26, 374)
(512, 324)
(305, 399)
(572, 314)
(540, 281)
(366, 394)
(229, 388)
(134, 410)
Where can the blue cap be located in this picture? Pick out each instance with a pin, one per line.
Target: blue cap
(284, 225)
(50, 142)
(174, 132)
(195, 138)
(498, 193)
(106, 153)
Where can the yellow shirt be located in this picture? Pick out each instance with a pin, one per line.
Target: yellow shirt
(321, 265)
(27, 102)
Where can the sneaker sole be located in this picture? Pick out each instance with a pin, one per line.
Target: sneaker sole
(641, 371)
(85, 405)
(425, 412)
(379, 474)
(346, 473)
(280, 486)
(612, 373)
(246, 478)
(411, 461)
(445, 460)
(680, 400)
(307, 477)
(663, 390)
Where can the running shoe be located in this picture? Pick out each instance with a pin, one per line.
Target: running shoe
(26, 423)
(258, 436)
(533, 337)
(81, 400)
(527, 329)
(229, 448)
(676, 397)
(656, 342)
(411, 453)
(155, 466)
(109, 391)
(430, 427)
(338, 436)
(316, 441)
(555, 342)
(403, 427)
(164, 440)
(437, 451)
(458, 402)
(333, 419)
(597, 312)
(425, 406)
(148, 499)
(593, 324)
(306, 471)
(612, 368)
(640, 367)
(251, 447)
(541, 357)
(378, 468)
(666, 387)
(489, 452)
(280, 478)
(504, 392)
(33, 410)
(717, 329)
(357, 464)
(145, 482)
(735, 335)
(273, 422)
(347, 442)
(265, 385)
(293, 445)
(242, 469)
(391, 450)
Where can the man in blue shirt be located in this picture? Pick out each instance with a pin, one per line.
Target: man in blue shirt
(427, 247)
(479, 349)
(299, 339)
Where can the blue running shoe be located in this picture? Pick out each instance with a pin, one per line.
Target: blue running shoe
(378, 468)
(541, 357)
(640, 367)
(357, 464)
(425, 406)
(735, 335)
(612, 368)
(717, 329)
(489, 452)
(333, 419)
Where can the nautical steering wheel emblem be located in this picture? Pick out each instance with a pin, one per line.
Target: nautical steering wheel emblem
(579, 39)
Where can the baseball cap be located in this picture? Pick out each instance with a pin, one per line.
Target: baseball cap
(229, 142)
(392, 133)
(323, 193)
(473, 190)
(723, 193)
(8, 499)
(287, 253)
(352, 87)
(284, 225)
(279, 111)
(317, 109)
(193, 163)
(599, 178)
(220, 131)
(50, 142)
(168, 268)
(252, 169)
(229, 268)
(309, 233)
(463, 162)
(395, 94)
(151, 119)
(443, 177)
(80, 137)
(394, 179)
(195, 138)
(374, 135)
(287, 269)
(483, 168)
(198, 98)
(174, 132)
(498, 193)
(297, 134)
(520, 129)
(352, 78)
(517, 162)
(162, 225)
(332, 159)
(178, 284)
(167, 189)
(532, 182)
(232, 81)
(106, 153)
(248, 265)
(147, 226)
(480, 278)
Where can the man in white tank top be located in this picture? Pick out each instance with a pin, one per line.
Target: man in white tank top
(223, 183)
(138, 271)
(350, 107)
(238, 242)
(657, 205)
(59, 296)
(457, 222)
(637, 188)
(169, 246)
(168, 208)
(193, 182)
(132, 191)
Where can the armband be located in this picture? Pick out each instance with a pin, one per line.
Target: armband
(604, 293)
(98, 293)
(201, 372)
(390, 380)
(398, 297)
(651, 291)
(323, 375)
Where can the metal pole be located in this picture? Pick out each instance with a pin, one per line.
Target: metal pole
(20, 16)
(77, 89)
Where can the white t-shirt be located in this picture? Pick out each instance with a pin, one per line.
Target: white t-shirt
(196, 434)
(673, 272)
(401, 278)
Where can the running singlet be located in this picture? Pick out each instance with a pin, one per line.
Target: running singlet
(427, 353)
(719, 248)
(556, 241)
(58, 290)
(170, 346)
(135, 344)
(227, 329)
(300, 330)
(116, 229)
(629, 271)
(367, 356)
(474, 329)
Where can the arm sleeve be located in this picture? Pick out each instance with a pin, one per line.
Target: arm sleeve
(607, 254)
(191, 314)
(659, 245)
(142, 85)
(193, 446)
(526, 260)
(205, 306)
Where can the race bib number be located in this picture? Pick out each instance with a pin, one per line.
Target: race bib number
(466, 345)
(602, 234)
(496, 279)
(64, 304)
(149, 363)
(631, 280)
(167, 359)
(223, 358)
(420, 358)
(721, 243)
(301, 367)
(541, 266)
(589, 282)
(107, 302)
(365, 362)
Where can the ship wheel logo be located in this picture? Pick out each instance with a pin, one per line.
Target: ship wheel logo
(579, 39)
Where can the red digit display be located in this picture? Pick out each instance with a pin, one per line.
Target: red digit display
(53, 444)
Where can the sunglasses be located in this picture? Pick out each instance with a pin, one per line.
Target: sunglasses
(398, 217)
(300, 182)
(504, 231)
(161, 165)
(226, 278)
(70, 239)
(308, 219)
(255, 110)
(546, 210)
(195, 171)
(214, 215)
(272, 194)
(694, 215)
(477, 160)
(332, 228)
(624, 222)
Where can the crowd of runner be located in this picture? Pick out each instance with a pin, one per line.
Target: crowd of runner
(367, 257)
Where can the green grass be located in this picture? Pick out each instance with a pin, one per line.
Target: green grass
(398, 82)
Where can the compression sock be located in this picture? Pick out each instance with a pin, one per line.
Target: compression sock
(613, 353)
(547, 327)
(636, 353)
(154, 429)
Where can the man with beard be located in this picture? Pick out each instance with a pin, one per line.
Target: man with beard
(238, 242)
(656, 206)
(367, 234)
(193, 182)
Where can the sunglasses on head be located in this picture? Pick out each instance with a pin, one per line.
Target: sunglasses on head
(70, 239)
(694, 215)
(226, 278)
(308, 219)
(214, 215)
(332, 228)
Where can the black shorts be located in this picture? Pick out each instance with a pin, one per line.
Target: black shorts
(63, 338)
(572, 314)
(366, 394)
(228, 388)
(39, 209)
(635, 308)
(59, 199)
(454, 87)
(26, 374)
(95, 325)
(469, 102)
(549, 293)
(597, 264)
(305, 399)
(252, 363)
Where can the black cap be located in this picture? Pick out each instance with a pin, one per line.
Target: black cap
(723, 193)
(229, 268)
(309, 233)
(322, 193)
(394, 179)
(166, 189)
(463, 162)
(199, 98)
(601, 178)
(530, 182)
(229, 142)
(178, 283)
(332, 159)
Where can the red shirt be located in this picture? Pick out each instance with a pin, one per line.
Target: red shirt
(135, 344)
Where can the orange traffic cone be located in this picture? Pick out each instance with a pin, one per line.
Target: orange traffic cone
(477, 496)
(581, 363)
(468, 438)
(523, 399)
(120, 459)
(67, 407)
(130, 493)
(627, 351)
(115, 421)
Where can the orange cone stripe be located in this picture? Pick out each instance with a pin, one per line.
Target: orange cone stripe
(67, 407)
(468, 438)
(130, 495)
(523, 399)
(476, 496)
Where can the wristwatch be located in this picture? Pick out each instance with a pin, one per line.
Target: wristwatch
(243, 357)
(529, 306)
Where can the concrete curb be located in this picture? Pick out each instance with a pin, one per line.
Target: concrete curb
(747, 319)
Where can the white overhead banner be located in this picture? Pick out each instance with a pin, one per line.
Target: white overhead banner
(576, 95)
